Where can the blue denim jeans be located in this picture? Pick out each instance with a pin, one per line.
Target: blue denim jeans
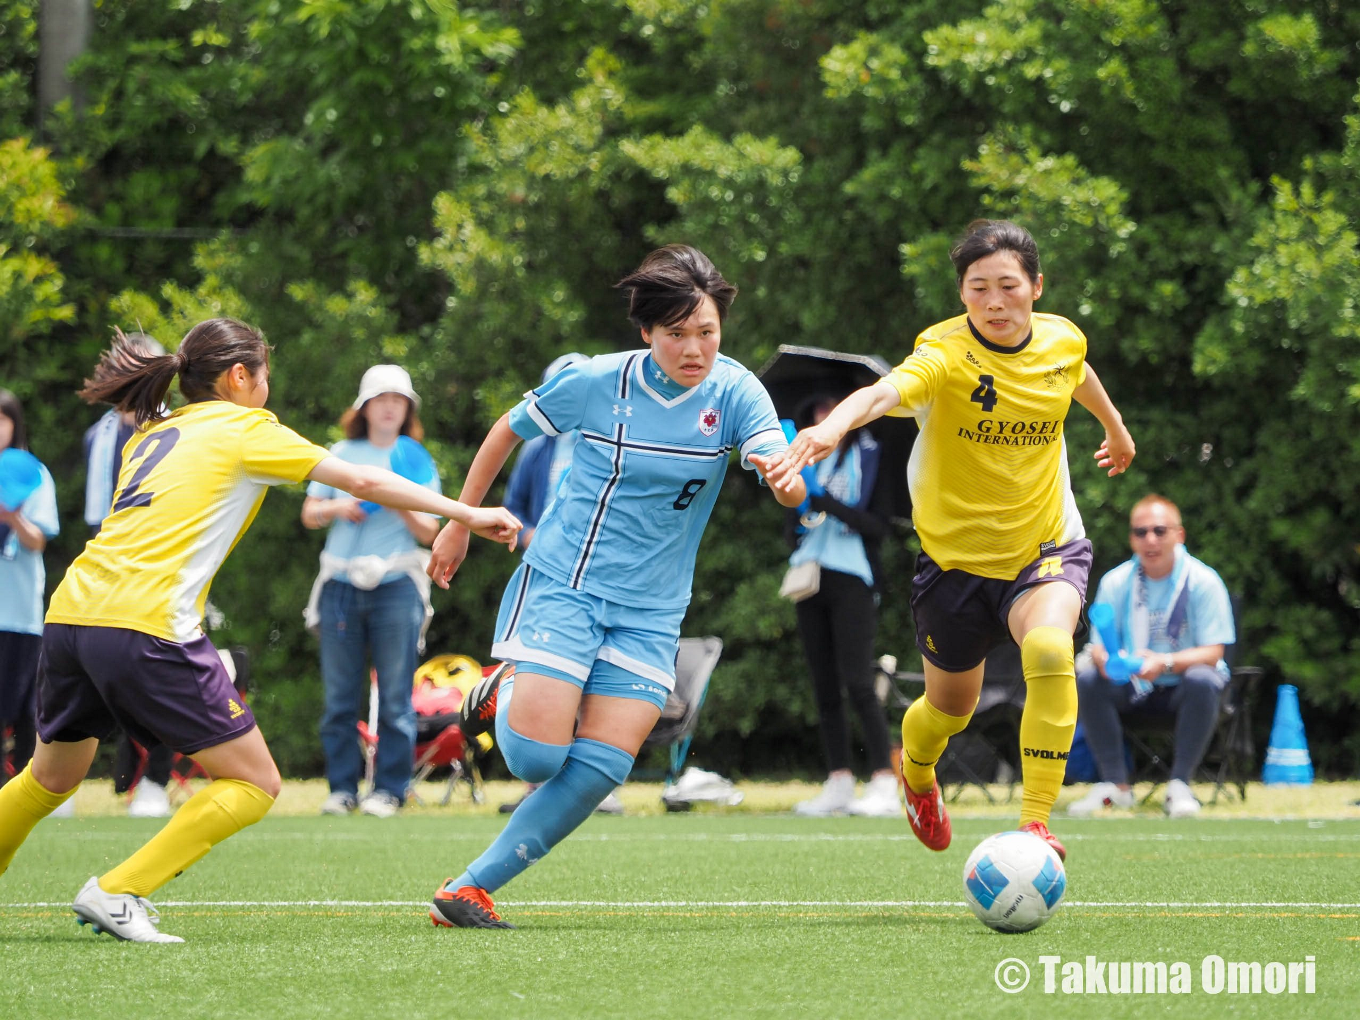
(382, 625)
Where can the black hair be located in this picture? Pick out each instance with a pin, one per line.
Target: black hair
(987, 237)
(12, 409)
(134, 380)
(670, 283)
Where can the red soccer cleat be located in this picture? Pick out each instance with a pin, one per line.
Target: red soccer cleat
(465, 907)
(929, 820)
(1041, 830)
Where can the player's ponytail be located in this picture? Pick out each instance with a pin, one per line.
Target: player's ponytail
(137, 381)
(132, 379)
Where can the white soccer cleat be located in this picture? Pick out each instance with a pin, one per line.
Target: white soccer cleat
(339, 804)
(1180, 802)
(837, 794)
(379, 804)
(881, 799)
(122, 915)
(611, 805)
(1102, 795)
(149, 800)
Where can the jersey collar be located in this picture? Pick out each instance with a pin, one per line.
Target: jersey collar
(662, 388)
(998, 348)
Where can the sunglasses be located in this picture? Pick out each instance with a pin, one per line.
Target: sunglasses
(1159, 530)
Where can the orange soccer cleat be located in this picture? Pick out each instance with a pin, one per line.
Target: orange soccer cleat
(465, 907)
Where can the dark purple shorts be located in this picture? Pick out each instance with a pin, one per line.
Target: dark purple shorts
(960, 617)
(92, 680)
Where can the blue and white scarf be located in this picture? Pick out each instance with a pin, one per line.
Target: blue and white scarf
(1137, 618)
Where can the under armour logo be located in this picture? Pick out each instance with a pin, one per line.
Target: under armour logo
(522, 852)
(542, 636)
(627, 411)
(660, 375)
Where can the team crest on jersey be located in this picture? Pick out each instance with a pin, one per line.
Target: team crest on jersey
(1055, 377)
(708, 420)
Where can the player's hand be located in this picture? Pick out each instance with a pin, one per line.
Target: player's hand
(8, 517)
(1116, 452)
(448, 553)
(770, 469)
(814, 444)
(347, 508)
(495, 523)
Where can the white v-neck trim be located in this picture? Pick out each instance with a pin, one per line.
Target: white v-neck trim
(663, 401)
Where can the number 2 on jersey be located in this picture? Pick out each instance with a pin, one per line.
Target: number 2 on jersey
(985, 394)
(152, 451)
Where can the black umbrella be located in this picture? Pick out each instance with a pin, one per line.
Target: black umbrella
(797, 375)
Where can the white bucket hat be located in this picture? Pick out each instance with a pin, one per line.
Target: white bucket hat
(382, 379)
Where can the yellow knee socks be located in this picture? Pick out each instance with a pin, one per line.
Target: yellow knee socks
(925, 732)
(1049, 719)
(223, 808)
(24, 802)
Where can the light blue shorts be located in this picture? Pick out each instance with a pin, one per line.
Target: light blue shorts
(600, 646)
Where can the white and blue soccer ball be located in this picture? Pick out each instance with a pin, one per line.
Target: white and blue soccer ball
(1014, 881)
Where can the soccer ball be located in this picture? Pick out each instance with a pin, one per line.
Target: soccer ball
(1014, 882)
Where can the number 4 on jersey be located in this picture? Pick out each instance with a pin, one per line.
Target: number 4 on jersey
(985, 394)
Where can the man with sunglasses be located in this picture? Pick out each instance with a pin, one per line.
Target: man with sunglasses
(1172, 612)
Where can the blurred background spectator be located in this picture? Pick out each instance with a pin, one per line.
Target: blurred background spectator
(841, 533)
(371, 599)
(25, 527)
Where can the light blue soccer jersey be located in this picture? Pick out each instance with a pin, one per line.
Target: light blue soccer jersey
(645, 471)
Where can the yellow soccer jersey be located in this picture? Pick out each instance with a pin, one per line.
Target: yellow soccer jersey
(988, 474)
(188, 490)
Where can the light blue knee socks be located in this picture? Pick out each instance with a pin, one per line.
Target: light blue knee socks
(548, 815)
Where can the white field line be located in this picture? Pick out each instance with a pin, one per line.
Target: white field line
(722, 904)
(253, 835)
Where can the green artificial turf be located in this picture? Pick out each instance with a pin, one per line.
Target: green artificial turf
(704, 915)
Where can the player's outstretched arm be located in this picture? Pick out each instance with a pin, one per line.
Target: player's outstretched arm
(450, 548)
(391, 490)
(817, 442)
(1117, 451)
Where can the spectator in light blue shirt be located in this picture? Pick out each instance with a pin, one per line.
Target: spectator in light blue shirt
(1172, 612)
(24, 533)
(371, 600)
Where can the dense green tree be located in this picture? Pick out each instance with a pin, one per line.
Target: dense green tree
(457, 187)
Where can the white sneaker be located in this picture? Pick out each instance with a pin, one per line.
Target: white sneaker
(611, 805)
(339, 803)
(880, 800)
(122, 915)
(1180, 802)
(1102, 795)
(837, 793)
(149, 800)
(379, 804)
(67, 809)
